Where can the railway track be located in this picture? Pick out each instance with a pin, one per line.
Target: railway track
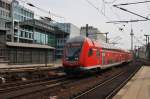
(75, 89)
(21, 90)
(6, 85)
(95, 87)
(108, 88)
(113, 92)
(29, 88)
(66, 88)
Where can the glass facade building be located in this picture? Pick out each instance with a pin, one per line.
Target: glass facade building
(38, 31)
(4, 14)
(24, 44)
(20, 14)
(40, 38)
(68, 28)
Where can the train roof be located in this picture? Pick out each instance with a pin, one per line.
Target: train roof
(109, 46)
(96, 43)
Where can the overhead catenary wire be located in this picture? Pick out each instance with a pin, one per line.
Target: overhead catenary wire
(131, 12)
(100, 12)
(123, 4)
(107, 18)
(109, 2)
(115, 13)
(125, 21)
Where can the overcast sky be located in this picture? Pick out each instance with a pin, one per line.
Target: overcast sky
(80, 12)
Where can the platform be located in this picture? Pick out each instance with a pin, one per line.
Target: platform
(138, 87)
(31, 67)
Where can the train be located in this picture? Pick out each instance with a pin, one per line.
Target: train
(84, 54)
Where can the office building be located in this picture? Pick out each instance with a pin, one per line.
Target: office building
(93, 33)
(69, 30)
(24, 40)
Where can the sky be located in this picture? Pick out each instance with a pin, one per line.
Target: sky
(80, 13)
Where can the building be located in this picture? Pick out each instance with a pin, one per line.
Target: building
(25, 41)
(4, 14)
(41, 32)
(4, 19)
(92, 33)
(20, 14)
(69, 28)
(66, 31)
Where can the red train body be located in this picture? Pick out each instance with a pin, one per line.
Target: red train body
(82, 53)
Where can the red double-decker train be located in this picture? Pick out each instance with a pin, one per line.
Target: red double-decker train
(84, 54)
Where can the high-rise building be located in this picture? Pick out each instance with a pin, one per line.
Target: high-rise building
(20, 14)
(5, 18)
(29, 41)
(4, 14)
(93, 33)
(24, 40)
(69, 31)
(69, 28)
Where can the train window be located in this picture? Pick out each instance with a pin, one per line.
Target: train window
(98, 53)
(90, 53)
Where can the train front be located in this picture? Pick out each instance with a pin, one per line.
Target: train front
(72, 53)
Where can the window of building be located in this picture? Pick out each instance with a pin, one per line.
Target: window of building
(26, 34)
(21, 34)
(16, 33)
(21, 18)
(41, 38)
(0, 12)
(30, 35)
(7, 6)
(0, 3)
(21, 11)
(24, 18)
(3, 5)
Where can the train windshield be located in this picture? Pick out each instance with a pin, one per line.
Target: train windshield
(73, 51)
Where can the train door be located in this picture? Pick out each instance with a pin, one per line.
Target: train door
(98, 56)
(103, 58)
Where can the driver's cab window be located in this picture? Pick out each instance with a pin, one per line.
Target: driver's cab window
(90, 53)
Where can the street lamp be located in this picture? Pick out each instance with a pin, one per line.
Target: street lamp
(147, 39)
(147, 46)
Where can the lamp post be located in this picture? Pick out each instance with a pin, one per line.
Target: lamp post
(87, 30)
(147, 46)
(147, 39)
(131, 39)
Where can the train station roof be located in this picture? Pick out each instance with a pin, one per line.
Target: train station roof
(26, 45)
